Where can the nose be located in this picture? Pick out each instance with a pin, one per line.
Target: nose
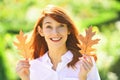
(55, 31)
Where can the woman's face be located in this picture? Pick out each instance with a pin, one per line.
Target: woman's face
(55, 33)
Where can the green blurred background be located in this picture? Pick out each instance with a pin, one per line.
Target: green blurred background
(103, 15)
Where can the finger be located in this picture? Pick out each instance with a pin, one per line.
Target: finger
(22, 65)
(85, 68)
(85, 57)
(88, 59)
(23, 62)
(22, 68)
(86, 65)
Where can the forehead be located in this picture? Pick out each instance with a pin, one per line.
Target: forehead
(48, 19)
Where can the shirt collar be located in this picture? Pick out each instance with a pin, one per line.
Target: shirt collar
(68, 55)
(45, 57)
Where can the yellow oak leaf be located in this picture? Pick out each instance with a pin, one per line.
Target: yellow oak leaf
(87, 42)
(23, 46)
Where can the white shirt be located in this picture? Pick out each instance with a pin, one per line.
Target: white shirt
(41, 69)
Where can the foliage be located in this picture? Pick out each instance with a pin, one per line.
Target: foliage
(3, 75)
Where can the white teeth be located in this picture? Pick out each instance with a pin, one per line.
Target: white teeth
(55, 38)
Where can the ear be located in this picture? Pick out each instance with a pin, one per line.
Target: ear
(40, 31)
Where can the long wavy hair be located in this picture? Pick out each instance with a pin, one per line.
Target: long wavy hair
(38, 43)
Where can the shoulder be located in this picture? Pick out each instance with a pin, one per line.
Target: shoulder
(35, 61)
(39, 60)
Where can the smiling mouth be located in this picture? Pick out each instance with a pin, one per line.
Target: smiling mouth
(56, 39)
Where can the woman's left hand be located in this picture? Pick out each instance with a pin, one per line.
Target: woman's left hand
(86, 65)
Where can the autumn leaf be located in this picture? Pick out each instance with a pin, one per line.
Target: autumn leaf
(23, 46)
(87, 42)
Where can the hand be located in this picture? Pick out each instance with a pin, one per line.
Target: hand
(22, 69)
(86, 65)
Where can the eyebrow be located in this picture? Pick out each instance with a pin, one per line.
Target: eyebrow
(47, 23)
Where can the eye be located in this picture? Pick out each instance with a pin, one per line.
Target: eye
(50, 27)
(61, 25)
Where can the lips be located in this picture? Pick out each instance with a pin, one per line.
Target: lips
(56, 39)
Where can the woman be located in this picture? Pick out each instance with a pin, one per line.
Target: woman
(56, 54)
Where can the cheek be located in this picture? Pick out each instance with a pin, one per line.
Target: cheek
(63, 30)
(46, 32)
(64, 33)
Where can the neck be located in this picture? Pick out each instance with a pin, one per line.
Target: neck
(55, 55)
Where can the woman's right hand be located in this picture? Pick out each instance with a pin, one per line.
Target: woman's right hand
(22, 69)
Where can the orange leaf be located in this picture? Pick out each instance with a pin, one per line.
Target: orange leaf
(22, 46)
(87, 42)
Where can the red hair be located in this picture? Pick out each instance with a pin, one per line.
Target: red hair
(38, 43)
